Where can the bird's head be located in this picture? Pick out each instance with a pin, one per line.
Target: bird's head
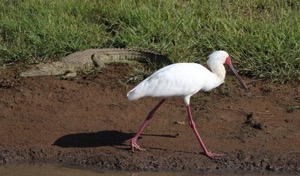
(222, 57)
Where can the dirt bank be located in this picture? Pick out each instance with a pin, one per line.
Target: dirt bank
(87, 121)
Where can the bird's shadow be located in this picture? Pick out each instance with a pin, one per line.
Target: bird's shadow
(97, 139)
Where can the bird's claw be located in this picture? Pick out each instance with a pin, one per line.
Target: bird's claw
(211, 155)
(134, 145)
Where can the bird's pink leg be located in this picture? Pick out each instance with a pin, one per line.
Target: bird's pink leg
(133, 140)
(192, 124)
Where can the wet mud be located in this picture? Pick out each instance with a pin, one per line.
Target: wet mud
(88, 120)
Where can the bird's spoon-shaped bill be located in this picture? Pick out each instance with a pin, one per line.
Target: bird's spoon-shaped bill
(228, 62)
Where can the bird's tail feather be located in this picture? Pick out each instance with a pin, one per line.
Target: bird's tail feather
(132, 95)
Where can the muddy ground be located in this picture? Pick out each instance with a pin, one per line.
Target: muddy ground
(87, 121)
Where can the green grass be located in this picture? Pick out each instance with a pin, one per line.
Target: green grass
(262, 36)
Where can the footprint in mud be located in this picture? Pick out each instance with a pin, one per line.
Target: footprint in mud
(251, 122)
(6, 84)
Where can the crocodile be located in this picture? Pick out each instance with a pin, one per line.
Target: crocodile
(91, 58)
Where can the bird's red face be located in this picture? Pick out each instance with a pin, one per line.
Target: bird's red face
(228, 62)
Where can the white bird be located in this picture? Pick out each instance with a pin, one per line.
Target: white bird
(183, 80)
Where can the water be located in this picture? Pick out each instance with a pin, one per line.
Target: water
(60, 170)
(63, 170)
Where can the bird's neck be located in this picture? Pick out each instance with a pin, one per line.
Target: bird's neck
(219, 71)
(216, 78)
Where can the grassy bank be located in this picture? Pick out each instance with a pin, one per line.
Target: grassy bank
(262, 36)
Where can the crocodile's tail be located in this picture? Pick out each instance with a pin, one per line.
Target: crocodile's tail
(116, 55)
(152, 56)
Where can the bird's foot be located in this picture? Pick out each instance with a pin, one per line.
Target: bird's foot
(211, 155)
(134, 145)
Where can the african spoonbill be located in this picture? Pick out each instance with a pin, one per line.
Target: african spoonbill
(183, 80)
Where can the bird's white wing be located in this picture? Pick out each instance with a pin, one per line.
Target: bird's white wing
(180, 79)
